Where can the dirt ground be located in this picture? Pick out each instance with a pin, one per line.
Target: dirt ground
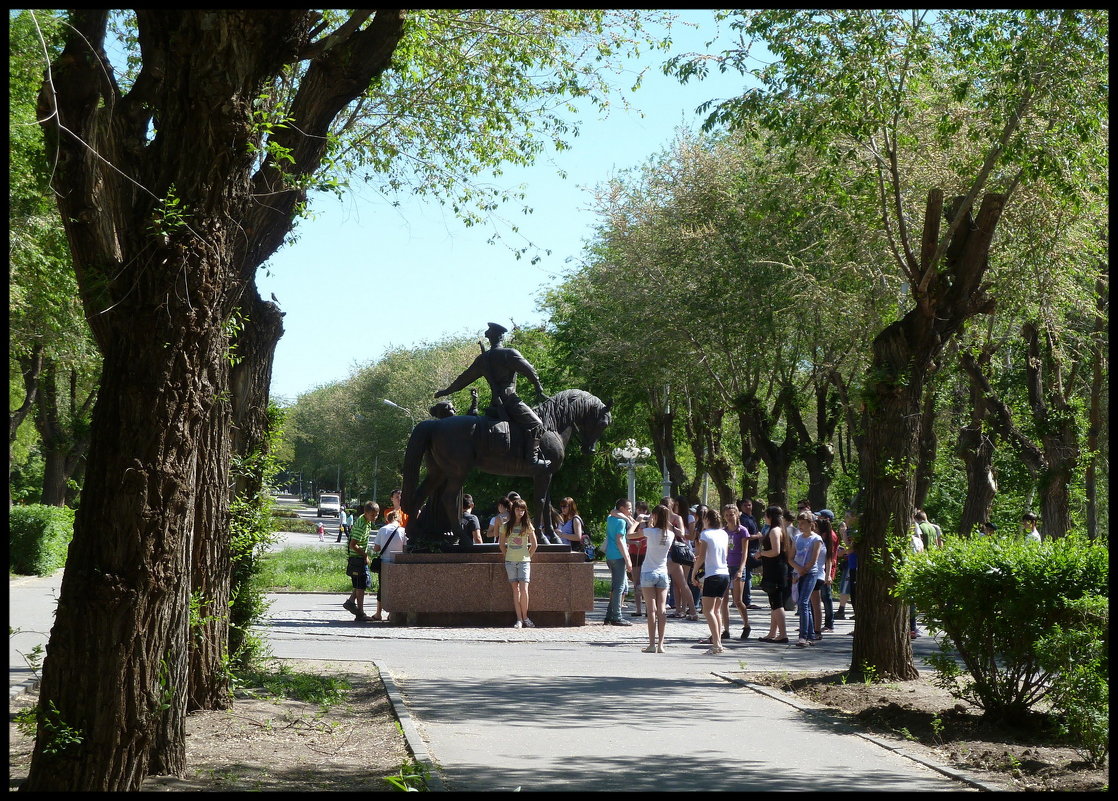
(1009, 760)
(263, 744)
(270, 745)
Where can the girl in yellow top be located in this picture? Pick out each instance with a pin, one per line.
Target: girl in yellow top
(517, 541)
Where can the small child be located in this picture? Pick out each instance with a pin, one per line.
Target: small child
(321, 532)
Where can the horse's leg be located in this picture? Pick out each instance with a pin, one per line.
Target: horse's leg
(542, 492)
(451, 507)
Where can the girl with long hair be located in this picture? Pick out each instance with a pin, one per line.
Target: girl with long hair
(654, 576)
(517, 541)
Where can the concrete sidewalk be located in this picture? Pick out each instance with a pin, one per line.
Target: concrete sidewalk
(579, 708)
(584, 709)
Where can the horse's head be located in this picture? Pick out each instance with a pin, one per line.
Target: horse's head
(592, 428)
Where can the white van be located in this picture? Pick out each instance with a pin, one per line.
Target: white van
(329, 505)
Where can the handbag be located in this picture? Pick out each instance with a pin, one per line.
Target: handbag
(682, 553)
(375, 566)
(588, 548)
(355, 566)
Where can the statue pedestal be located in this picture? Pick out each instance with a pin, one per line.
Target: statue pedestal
(471, 588)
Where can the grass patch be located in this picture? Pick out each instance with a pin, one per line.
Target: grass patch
(278, 680)
(296, 524)
(307, 569)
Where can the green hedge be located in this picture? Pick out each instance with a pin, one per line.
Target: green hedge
(39, 537)
(1023, 618)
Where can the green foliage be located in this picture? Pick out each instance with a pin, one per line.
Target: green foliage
(39, 537)
(1077, 654)
(1005, 607)
(251, 532)
(57, 735)
(412, 777)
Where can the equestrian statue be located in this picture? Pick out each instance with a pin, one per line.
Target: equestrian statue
(510, 439)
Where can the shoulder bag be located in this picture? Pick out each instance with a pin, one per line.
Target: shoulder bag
(375, 565)
(681, 552)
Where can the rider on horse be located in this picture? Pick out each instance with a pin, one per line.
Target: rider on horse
(500, 367)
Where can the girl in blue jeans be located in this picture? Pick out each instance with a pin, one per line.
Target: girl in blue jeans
(806, 567)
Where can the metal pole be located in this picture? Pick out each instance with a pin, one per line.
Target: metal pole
(632, 483)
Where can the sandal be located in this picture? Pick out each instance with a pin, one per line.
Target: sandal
(705, 641)
(649, 650)
(659, 649)
(713, 651)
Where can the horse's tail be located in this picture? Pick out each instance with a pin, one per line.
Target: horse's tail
(418, 443)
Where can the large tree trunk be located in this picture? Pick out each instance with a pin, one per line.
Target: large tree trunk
(158, 282)
(1095, 413)
(903, 356)
(208, 681)
(818, 455)
(976, 449)
(661, 425)
(63, 431)
(1059, 431)
(250, 380)
(776, 456)
(926, 448)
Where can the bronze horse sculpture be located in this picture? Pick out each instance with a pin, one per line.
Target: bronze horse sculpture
(452, 446)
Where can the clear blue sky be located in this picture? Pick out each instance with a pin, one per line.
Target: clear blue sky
(364, 276)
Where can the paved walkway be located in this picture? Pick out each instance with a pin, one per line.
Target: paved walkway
(578, 708)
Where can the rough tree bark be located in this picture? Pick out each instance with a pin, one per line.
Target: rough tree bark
(1053, 460)
(927, 444)
(158, 195)
(818, 455)
(904, 354)
(776, 456)
(1095, 413)
(661, 425)
(64, 435)
(975, 448)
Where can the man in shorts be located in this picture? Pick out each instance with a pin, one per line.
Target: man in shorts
(356, 547)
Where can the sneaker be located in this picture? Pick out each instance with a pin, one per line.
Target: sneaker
(827, 629)
(528, 624)
(518, 625)
(361, 617)
(351, 606)
(618, 622)
(745, 633)
(840, 615)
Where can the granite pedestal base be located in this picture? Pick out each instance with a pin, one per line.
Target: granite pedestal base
(471, 588)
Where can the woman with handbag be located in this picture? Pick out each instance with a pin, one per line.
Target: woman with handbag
(391, 538)
(570, 524)
(680, 556)
(774, 575)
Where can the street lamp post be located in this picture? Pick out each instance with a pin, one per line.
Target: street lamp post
(631, 456)
(402, 409)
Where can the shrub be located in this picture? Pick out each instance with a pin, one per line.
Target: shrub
(39, 537)
(999, 601)
(1080, 695)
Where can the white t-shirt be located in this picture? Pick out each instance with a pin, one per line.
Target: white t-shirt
(398, 542)
(714, 561)
(656, 557)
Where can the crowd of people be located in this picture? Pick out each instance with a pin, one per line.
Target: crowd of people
(675, 566)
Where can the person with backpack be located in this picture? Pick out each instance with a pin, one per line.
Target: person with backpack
(570, 527)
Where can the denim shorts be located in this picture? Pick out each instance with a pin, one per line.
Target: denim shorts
(658, 580)
(519, 571)
(362, 581)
